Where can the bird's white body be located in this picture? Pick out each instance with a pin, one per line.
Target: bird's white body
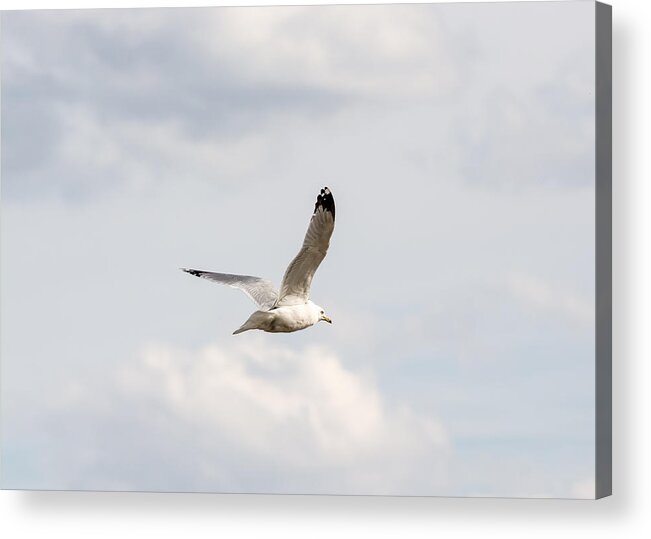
(285, 319)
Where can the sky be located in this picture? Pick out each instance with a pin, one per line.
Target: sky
(458, 141)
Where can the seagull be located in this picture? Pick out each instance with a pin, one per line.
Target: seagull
(289, 309)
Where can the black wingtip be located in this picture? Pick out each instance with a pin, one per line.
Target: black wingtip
(326, 201)
(194, 272)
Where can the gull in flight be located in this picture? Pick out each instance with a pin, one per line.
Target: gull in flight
(289, 309)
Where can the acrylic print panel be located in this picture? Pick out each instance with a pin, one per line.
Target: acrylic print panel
(458, 144)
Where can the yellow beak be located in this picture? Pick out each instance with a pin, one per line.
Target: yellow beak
(326, 319)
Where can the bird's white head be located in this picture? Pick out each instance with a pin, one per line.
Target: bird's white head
(322, 315)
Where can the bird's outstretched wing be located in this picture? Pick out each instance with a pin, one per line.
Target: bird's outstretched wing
(261, 291)
(295, 288)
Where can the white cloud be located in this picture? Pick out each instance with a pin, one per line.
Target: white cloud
(382, 51)
(372, 51)
(302, 417)
(245, 417)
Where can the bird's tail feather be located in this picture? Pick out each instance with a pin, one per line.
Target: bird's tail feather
(258, 320)
(241, 330)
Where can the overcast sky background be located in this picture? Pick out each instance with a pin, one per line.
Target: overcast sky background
(458, 142)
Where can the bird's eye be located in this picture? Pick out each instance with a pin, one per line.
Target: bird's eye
(322, 312)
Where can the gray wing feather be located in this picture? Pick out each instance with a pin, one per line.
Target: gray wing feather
(261, 291)
(295, 288)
